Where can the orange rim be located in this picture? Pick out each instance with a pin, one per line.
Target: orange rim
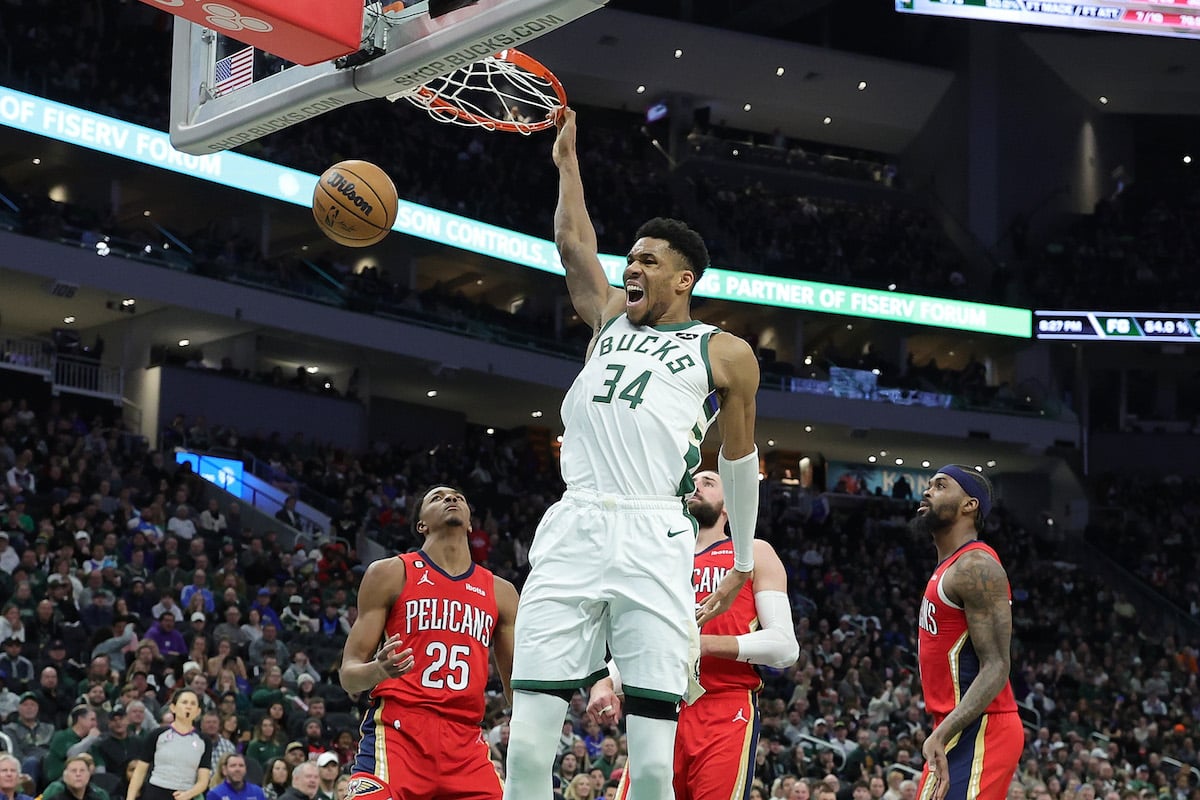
(436, 103)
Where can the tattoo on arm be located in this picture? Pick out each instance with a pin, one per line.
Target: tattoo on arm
(981, 586)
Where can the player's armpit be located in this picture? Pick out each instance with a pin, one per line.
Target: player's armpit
(381, 585)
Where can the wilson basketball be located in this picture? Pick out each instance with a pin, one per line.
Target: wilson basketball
(355, 203)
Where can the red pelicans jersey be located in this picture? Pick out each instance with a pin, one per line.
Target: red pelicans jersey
(723, 674)
(947, 659)
(448, 623)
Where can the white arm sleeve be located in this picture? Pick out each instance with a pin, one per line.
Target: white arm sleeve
(774, 643)
(740, 481)
(615, 674)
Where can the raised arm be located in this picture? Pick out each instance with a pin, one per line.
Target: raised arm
(735, 374)
(979, 584)
(365, 660)
(594, 299)
(504, 638)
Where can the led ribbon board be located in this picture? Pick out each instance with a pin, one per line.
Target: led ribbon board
(1176, 18)
(1117, 326)
(133, 142)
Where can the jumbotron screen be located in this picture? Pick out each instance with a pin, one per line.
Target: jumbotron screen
(1178, 18)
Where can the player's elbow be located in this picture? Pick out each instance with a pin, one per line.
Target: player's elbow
(789, 651)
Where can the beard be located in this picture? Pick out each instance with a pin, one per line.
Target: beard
(706, 514)
(931, 522)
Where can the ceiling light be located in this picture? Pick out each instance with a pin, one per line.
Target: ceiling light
(735, 152)
(862, 85)
(431, 393)
(184, 342)
(479, 282)
(312, 370)
(128, 301)
(827, 120)
(328, 385)
(536, 415)
(978, 468)
(490, 431)
(871, 459)
(991, 463)
(899, 462)
(770, 442)
(303, 247)
(1103, 100)
(779, 71)
(891, 287)
(746, 107)
(68, 320)
(850, 327)
(37, 161)
(925, 464)
(808, 361)
(883, 452)
(558, 438)
(808, 428)
(678, 53)
(641, 89)
(876, 371)
(101, 248)
(1187, 159)
(146, 213)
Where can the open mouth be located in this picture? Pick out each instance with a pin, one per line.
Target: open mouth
(633, 294)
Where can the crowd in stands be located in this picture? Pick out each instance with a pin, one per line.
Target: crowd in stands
(120, 579)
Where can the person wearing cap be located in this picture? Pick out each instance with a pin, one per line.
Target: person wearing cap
(116, 747)
(964, 640)
(295, 753)
(262, 604)
(329, 767)
(717, 737)
(17, 670)
(29, 734)
(427, 669)
(295, 618)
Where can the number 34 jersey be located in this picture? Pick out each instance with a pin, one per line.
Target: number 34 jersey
(637, 412)
(448, 621)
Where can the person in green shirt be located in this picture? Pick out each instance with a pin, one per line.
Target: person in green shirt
(266, 743)
(76, 739)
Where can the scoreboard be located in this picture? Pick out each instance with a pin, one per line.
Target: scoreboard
(1178, 18)
(1127, 326)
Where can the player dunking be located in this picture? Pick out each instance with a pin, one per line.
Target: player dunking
(611, 562)
(965, 633)
(425, 623)
(718, 732)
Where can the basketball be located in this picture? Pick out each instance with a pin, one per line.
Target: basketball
(355, 203)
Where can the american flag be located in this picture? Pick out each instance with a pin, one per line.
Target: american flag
(234, 72)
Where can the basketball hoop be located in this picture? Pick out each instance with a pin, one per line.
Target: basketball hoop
(509, 92)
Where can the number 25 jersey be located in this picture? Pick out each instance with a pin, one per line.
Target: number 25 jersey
(448, 621)
(636, 414)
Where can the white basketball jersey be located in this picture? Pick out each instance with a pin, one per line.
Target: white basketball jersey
(636, 414)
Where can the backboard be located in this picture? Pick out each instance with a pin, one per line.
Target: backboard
(225, 93)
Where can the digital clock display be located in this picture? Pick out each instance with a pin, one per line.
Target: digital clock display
(1118, 325)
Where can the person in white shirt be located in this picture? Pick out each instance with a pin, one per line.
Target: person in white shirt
(212, 519)
(8, 556)
(181, 524)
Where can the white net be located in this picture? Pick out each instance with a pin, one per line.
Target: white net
(508, 91)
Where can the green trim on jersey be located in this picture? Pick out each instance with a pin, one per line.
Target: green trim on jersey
(608, 324)
(553, 686)
(712, 387)
(677, 326)
(691, 460)
(651, 694)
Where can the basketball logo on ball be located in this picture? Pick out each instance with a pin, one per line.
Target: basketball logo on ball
(355, 203)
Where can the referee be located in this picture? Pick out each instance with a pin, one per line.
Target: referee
(176, 761)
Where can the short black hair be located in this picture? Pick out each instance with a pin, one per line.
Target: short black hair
(682, 239)
(421, 502)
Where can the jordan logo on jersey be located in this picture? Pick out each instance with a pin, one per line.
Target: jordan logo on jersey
(425, 581)
(739, 717)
